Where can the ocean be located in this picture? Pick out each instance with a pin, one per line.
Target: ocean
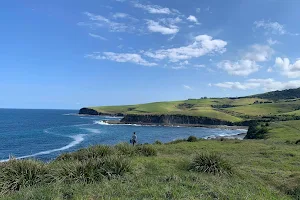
(45, 134)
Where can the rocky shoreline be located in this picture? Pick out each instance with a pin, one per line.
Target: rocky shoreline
(115, 122)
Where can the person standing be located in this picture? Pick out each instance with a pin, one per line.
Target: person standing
(134, 139)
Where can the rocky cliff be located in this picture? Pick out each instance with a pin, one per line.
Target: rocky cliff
(90, 111)
(175, 119)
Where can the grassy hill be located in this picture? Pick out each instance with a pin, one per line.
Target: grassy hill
(227, 109)
(248, 169)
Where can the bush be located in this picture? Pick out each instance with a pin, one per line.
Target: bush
(210, 163)
(158, 142)
(92, 152)
(91, 171)
(146, 150)
(18, 174)
(297, 142)
(256, 131)
(192, 139)
(177, 141)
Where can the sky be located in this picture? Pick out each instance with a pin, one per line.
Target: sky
(71, 54)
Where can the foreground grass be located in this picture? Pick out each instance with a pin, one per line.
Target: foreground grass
(255, 169)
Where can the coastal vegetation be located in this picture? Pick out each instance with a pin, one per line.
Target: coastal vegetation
(186, 169)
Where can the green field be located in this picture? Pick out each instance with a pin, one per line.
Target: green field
(261, 169)
(231, 110)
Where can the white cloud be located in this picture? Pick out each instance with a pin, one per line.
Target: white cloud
(153, 9)
(265, 84)
(121, 57)
(100, 21)
(270, 69)
(271, 27)
(97, 36)
(198, 10)
(272, 42)
(202, 45)
(199, 66)
(156, 27)
(239, 68)
(247, 64)
(187, 87)
(259, 53)
(192, 18)
(288, 69)
(120, 15)
(124, 16)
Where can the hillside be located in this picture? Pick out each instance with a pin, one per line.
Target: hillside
(230, 110)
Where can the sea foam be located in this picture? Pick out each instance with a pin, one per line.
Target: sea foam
(77, 139)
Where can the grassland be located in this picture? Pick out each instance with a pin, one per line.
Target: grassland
(225, 109)
(261, 169)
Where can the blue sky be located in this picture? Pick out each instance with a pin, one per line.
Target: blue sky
(71, 53)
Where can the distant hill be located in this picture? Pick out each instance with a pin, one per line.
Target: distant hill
(279, 95)
(279, 105)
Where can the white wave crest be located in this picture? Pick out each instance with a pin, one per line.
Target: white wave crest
(101, 122)
(92, 130)
(77, 140)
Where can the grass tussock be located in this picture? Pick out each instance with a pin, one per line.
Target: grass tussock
(92, 152)
(210, 163)
(91, 171)
(146, 150)
(18, 174)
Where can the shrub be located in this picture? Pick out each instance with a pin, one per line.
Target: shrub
(92, 152)
(210, 163)
(297, 142)
(158, 142)
(192, 139)
(17, 174)
(91, 171)
(125, 149)
(256, 131)
(146, 150)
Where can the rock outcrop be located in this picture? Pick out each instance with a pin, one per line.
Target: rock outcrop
(90, 111)
(173, 119)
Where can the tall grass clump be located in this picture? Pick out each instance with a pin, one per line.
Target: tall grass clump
(92, 152)
(146, 150)
(18, 174)
(125, 149)
(91, 171)
(210, 163)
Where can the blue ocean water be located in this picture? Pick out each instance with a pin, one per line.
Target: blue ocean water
(44, 134)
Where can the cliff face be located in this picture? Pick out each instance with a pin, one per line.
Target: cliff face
(89, 111)
(173, 119)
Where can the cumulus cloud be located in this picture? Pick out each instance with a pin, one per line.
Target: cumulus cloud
(265, 84)
(153, 9)
(187, 87)
(97, 36)
(158, 28)
(247, 64)
(202, 45)
(288, 69)
(192, 18)
(239, 68)
(121, 57)
(259, 53)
